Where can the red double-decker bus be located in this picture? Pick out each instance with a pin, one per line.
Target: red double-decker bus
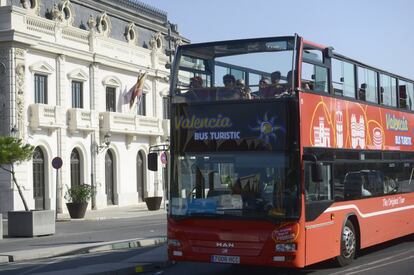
(286, 153)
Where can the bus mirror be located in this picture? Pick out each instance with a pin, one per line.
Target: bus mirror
(317, 175)
(153, 161)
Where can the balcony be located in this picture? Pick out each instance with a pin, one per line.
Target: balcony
(47, 117)
(81, 120)
(130, 124)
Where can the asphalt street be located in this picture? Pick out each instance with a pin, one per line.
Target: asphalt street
(83, 232)
(395, 257)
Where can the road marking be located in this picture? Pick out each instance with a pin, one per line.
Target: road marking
(381, 265)
(373, 263)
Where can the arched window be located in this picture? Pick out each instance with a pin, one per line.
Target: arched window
(75, 167)
(39, 179)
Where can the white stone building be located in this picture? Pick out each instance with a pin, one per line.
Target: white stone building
(67, 69)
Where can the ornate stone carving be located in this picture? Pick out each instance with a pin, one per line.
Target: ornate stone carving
(20, 52)
(130, 33)
(65, 7)
(20, 89)
(104, 24)
(61, 58)
(57, 14)
(156, 42)
(32, 6)
(179, 42)
(91, 22)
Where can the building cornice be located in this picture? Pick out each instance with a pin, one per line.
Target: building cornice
(20, 37)
(113, 10)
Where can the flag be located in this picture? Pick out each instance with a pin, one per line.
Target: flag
(137, 92)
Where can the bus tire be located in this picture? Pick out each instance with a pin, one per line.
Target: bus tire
(348, 244)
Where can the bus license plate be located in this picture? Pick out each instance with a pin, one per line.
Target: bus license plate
(225, 259)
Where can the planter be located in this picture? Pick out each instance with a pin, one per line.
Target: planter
(1, 226)
(153, 203)
(77, 210)
(31, 223)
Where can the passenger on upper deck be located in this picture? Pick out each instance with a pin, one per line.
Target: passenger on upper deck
(230, 90)
(196, 90)
(275, 88)
(196, 82)
(246, 92)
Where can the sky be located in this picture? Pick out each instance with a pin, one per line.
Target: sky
(379, 33)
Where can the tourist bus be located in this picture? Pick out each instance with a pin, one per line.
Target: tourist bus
(286, 153)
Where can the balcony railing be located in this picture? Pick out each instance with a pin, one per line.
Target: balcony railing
(82, 120)
(130, 124)
(44, 116)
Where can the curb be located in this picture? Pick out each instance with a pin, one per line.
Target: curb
(16, 256)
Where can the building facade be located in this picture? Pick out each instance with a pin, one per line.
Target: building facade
(67, 72)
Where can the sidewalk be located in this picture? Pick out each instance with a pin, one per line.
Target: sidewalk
(115, 212)
(101, 230)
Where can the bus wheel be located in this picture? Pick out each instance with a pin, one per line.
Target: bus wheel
(348, 244)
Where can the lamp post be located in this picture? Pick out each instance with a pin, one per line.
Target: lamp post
(169, 38)
(95, 150)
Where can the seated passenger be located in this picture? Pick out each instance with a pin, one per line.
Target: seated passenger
(362, 92)
(196, 82)
(264, 84)
(197, 91)
(275, 88)
(230, 90)
(246, 92)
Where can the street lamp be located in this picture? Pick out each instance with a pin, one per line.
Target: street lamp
(169, 38)
(95, 150)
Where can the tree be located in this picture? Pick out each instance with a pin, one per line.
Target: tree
(12, 152)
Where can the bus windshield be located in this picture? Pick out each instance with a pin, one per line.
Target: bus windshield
(251, 185)
(236, 70)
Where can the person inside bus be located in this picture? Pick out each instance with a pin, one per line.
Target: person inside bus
(364, 191)
(275, 88)
(362, 92)
(196, 82)
(230, 91)
(245, 91)
(196, 91)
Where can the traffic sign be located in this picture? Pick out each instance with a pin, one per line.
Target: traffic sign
(164, 158)
(57, 163)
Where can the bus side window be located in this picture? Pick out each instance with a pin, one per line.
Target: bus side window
(314, 77)
(318, 191)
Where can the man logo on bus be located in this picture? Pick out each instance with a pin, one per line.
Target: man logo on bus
(267, 128)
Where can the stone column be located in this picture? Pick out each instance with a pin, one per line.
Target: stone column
(63, 173)
(97, 167)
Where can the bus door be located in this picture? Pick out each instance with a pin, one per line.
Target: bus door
(321, 242)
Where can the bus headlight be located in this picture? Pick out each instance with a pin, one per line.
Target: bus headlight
(285, 247)
(173, 242)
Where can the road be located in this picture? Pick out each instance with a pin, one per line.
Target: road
(84, 232)
(76, 264)
(396, 257)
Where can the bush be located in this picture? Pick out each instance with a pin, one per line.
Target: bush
(79, 193)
